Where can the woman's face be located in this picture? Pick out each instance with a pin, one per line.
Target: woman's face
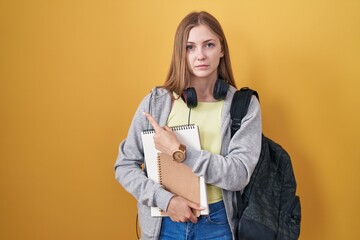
(203, 53)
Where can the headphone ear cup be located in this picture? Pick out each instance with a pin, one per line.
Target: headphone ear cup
(190, 98)
(220, 89)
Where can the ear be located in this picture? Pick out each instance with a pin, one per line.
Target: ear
(221, 54)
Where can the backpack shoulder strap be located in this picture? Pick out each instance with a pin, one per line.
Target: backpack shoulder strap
(239, 107)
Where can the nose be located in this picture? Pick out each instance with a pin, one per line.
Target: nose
(200, 54)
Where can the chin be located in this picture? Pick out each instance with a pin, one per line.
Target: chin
(203, 75)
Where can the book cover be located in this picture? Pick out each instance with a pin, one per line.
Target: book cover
(178, 179)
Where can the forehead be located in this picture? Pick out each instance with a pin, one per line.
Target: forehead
(201, 33)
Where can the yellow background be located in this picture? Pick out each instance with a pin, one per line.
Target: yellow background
(72, 73)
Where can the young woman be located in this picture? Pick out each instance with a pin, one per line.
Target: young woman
(200, 79)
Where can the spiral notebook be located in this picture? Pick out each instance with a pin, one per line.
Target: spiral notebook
(162, 169)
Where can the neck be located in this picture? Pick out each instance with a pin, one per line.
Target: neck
(204, 88)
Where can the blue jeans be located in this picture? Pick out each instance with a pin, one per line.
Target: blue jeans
(213, 226)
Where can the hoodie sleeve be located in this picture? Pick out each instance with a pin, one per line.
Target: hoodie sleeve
(128, 166)
(233, 170)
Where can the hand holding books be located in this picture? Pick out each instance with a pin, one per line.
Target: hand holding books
(182, 210)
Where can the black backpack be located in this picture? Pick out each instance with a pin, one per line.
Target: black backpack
(268, 208)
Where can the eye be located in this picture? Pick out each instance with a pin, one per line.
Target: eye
(189, 47)
(210, 45)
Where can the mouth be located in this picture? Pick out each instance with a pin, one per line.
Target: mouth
(202, 66)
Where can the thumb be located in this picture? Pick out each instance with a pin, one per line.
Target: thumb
(195, 206)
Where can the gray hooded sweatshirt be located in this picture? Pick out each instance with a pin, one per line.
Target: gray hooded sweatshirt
(231, 170)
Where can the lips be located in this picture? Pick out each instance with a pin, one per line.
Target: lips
(202, 66)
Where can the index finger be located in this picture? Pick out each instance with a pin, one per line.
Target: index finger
(153, 122)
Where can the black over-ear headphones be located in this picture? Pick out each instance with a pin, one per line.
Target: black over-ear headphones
(220, 90)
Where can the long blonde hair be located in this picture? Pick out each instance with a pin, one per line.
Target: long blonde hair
(179, 76)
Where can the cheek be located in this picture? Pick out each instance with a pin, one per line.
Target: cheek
(216, 57)
(189, 59)
(188, 62)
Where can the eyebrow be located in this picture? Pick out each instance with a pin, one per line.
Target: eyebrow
(209, 40)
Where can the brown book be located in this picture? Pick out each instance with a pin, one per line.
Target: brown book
(178, 179)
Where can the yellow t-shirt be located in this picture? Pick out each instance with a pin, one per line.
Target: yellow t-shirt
(207, 115)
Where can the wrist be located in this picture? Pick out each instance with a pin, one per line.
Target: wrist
(179, 154)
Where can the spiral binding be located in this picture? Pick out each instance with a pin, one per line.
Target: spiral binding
(175, 128)
(183, 127)
(149, 131)
(159, 168)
